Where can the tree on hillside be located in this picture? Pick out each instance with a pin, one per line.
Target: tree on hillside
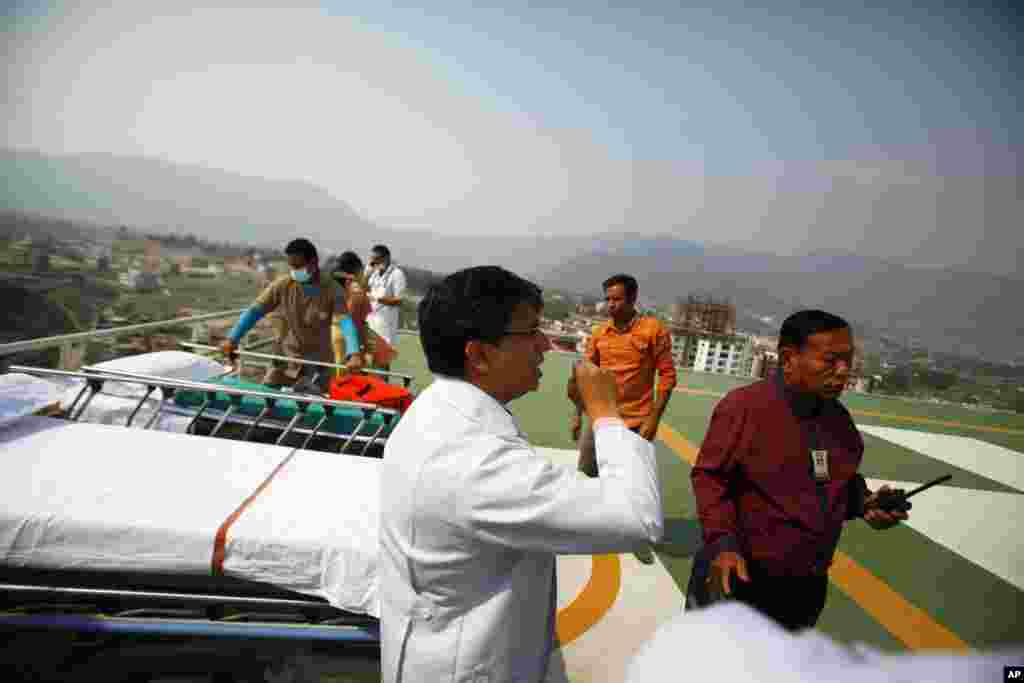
(418, 279)
(938, 380)
(897, 381)
(557, 309)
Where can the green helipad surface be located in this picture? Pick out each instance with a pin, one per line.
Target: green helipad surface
(950, 585)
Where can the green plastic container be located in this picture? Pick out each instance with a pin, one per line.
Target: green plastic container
(343, 421)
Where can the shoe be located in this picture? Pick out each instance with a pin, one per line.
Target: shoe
(275, 377)
(643, 554)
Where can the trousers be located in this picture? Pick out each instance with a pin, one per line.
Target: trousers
(795, 602)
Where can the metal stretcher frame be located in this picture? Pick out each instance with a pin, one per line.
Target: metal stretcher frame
(406, 379)
(48, 600)
(96, 377)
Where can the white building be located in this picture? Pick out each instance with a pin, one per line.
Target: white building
(141, 281)
(731, 355)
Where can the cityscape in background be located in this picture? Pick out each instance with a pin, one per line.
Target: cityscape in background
(86, 279)
(704, 339)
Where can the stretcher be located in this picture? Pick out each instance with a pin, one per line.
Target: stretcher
(149, 531)
(207, 407)
(111, 530)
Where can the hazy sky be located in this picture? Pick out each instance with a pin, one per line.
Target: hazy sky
(895, 134)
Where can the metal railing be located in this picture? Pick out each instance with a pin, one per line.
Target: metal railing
(66, 341)
(60, 340)
(243, 353)
(41, 343)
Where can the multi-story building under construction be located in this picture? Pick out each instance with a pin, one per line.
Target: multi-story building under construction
(704, 314)
(704, 337)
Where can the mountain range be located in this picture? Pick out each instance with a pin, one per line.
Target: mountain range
(947, 310)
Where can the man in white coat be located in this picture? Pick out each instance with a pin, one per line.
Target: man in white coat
(387, 287)
(471, 516)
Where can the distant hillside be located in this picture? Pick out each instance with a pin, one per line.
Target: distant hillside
(959, 312)
(947, 310)
(157, 195)
(219, 206)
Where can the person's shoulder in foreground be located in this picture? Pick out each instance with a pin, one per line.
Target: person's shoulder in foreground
(735, 642)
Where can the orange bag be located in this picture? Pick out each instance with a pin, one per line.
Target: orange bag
(369, 389)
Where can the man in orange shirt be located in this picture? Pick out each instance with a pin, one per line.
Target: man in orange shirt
(634, 348)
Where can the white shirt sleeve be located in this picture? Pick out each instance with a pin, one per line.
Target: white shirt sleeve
(397, 282)
(518, 498)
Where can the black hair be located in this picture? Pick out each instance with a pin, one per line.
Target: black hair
(628, 283)
(301, 247)
(382, 250)
(803, 324)
(349, 262)
(471, 304)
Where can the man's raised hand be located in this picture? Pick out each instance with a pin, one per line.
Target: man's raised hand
(597, 390)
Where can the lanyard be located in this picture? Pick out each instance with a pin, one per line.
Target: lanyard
(818, 483)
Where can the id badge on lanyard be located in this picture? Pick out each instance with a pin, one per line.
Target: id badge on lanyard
(819, 462)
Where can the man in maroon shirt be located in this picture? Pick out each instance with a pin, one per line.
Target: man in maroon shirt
(776, 477)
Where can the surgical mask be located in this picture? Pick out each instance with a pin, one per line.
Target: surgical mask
(301, 275)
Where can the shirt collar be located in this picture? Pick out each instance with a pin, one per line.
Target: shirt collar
(802, 403)
(477, 405)
(629, 327)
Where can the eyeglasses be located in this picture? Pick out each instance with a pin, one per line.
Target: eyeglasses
(532, 332)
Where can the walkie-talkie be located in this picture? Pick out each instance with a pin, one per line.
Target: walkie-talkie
(896, 500)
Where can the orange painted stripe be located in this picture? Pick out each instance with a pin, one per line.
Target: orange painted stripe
(909, 623)
(699, 392)
(596, 598)
(220, 540)
(906, 622)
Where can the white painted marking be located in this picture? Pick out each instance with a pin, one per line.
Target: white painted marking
(980, 526)
(989, 460)
(573, 574)
(648, 597)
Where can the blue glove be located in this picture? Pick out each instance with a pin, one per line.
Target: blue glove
(350, 335)
(245, 323)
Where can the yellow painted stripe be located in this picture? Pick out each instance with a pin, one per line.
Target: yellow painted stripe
(596, 598)
(906, 622)
(886, 416)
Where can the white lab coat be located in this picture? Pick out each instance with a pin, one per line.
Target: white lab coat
(471, 520)
(384, 319)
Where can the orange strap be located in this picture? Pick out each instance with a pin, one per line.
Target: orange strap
(220, 540)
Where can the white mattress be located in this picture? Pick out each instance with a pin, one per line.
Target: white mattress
(88, 496)
(115, 410)
(22, 395)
